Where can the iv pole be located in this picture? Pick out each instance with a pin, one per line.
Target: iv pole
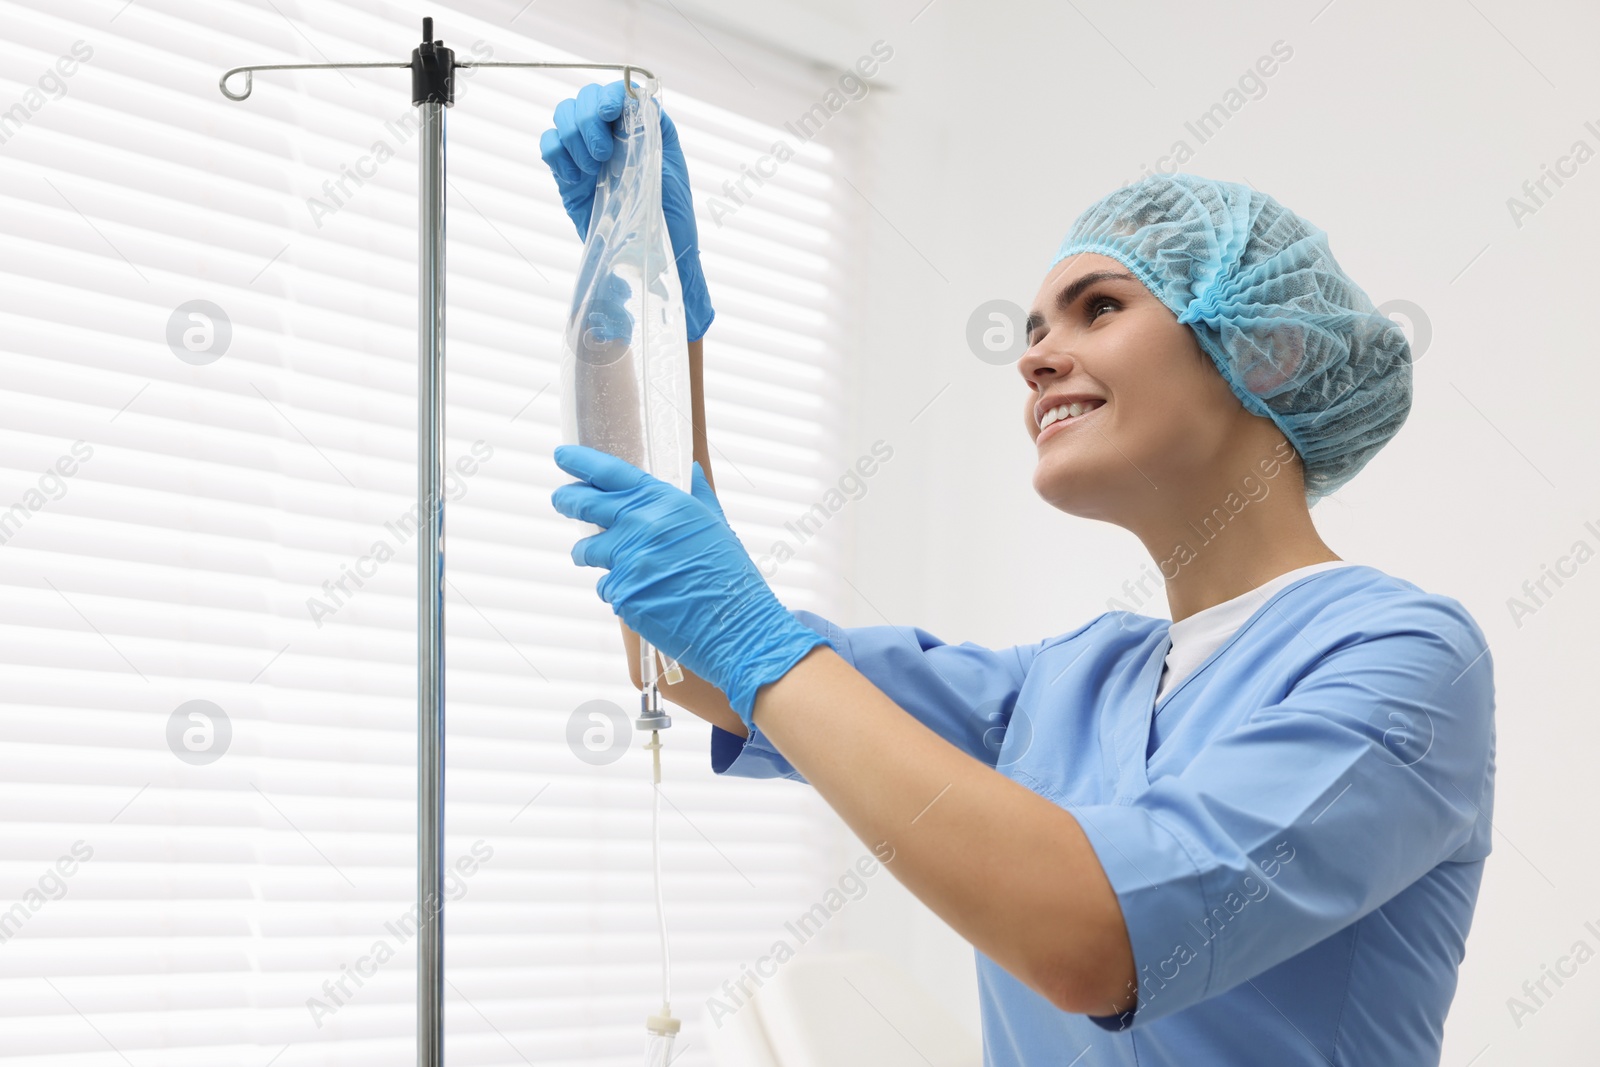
(433, 68)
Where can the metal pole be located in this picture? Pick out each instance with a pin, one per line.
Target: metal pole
(431, 91)
(430, 592)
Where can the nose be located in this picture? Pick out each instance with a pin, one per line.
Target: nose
(1044, 363)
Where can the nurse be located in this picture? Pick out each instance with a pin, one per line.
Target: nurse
(1251, 835)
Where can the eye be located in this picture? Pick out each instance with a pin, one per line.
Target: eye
(1096, 302)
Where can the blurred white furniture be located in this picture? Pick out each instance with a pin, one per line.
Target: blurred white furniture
(846, 1009)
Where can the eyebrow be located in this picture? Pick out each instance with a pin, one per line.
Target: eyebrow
(1070, 294)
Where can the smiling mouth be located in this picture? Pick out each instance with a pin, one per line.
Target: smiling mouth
(1061, 425)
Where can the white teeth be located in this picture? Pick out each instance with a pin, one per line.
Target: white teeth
(1065, 411)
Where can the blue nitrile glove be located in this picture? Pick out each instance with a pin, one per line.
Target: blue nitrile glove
(582, 140)
(678, 575)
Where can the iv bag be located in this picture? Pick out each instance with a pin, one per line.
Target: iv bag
(625, 361)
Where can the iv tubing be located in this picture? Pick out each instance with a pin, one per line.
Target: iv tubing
(663, 1028)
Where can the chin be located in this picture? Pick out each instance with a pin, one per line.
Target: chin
(1066, 487)
(1062, 491)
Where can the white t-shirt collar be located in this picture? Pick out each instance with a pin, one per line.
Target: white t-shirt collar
(1194, 638)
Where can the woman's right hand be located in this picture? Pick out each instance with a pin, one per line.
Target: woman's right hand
(582, 140)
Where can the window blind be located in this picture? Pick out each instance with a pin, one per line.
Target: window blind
(207, 804)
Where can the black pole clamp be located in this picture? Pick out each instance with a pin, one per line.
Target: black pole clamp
(433, 70)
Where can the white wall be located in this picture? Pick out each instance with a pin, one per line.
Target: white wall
(1402, 131)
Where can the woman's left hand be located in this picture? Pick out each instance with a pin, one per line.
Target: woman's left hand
(678, 575)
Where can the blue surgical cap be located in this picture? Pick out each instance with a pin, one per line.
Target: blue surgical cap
(1296, 339)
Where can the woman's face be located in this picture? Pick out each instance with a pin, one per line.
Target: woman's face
(1161, 422)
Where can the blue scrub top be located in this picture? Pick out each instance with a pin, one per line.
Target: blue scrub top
(1296, 832)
